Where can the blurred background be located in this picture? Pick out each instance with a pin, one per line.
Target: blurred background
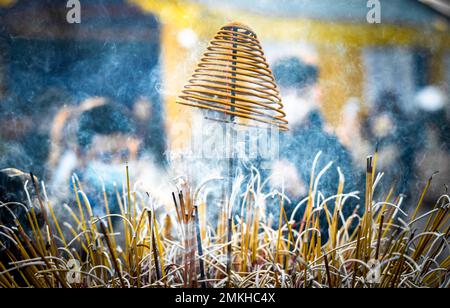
(380, 84)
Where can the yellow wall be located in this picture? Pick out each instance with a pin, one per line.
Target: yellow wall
(341, 76)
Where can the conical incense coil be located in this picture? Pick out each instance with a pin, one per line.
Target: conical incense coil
(234, 78)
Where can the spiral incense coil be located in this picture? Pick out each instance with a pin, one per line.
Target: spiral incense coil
(233, 78)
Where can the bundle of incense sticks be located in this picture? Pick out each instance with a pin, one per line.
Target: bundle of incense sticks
(407, 251)
(187, 214)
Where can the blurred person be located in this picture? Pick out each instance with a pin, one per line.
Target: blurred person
(103, 139)
(37, 142)
(397, 137)
(307, 136)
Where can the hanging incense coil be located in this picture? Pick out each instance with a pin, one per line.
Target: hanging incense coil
(233, 78)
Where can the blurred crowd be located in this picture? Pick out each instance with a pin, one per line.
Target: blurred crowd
(95, 137)
(411, 145)
(64, 142)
